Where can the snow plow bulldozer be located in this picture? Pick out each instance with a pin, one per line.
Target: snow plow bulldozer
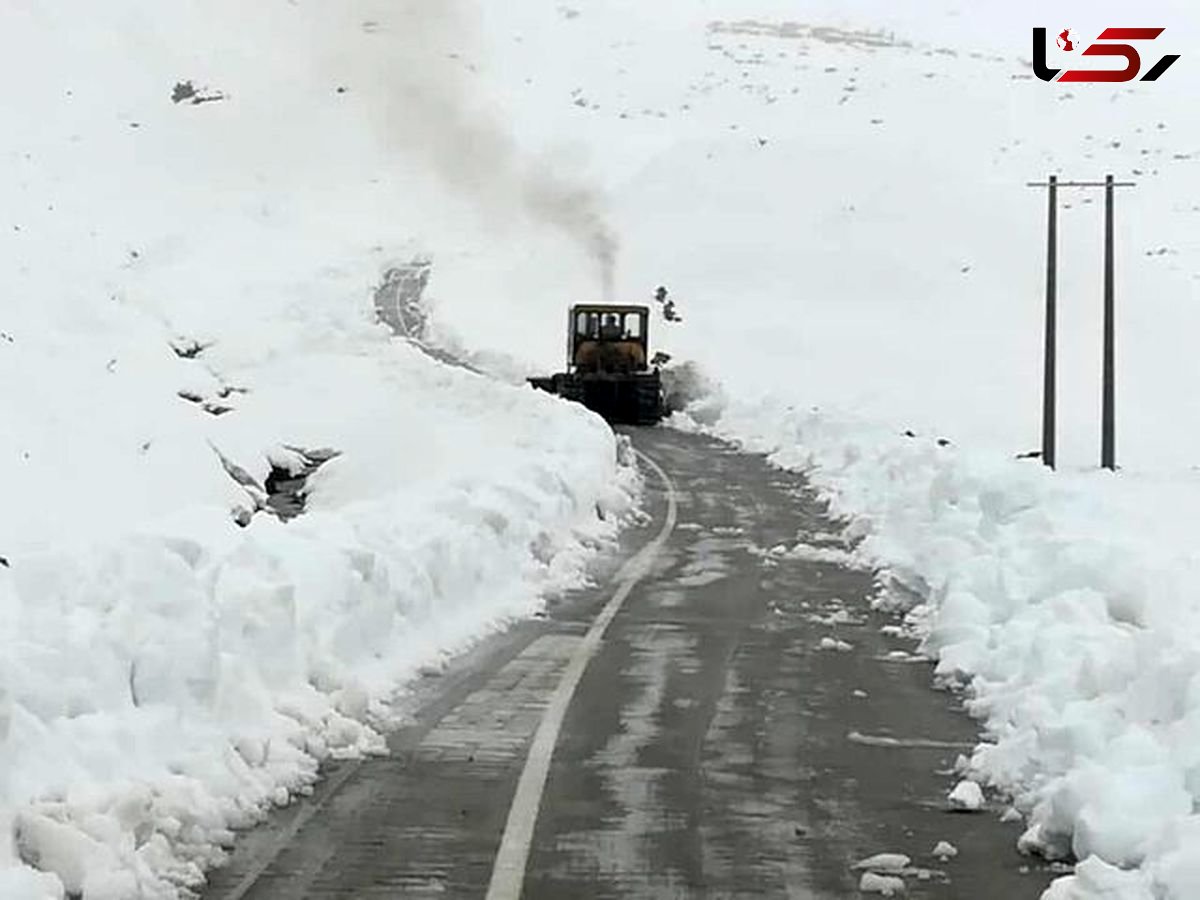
(607, 365)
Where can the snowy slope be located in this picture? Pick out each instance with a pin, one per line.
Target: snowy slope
(186, 282)
(846, 211)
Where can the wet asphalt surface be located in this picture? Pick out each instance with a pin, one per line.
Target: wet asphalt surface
(712, 750)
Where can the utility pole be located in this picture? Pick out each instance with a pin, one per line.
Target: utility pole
(1050, 351)
(1108, 418)
(1108, 426)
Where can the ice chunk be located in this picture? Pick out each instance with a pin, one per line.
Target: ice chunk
(967, 796)
(945, 850)
(886, 885)
(829, 643)
(884, 862)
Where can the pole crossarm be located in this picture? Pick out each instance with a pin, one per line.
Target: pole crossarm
(1081, 184)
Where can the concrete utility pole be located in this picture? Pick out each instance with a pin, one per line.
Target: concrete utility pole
(1050, 351)
(1108, 418)
(1108, 425)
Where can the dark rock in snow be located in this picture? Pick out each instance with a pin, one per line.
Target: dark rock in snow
(286, 489)
(185, 91)
(188, 348)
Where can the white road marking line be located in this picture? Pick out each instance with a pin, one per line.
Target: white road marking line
(880, 740)
(508, 872)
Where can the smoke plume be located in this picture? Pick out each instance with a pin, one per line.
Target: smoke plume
(422, 56)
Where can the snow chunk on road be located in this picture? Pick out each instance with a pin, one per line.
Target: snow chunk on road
(967, 796)
(945, 850)
(836, 556)
(884, 862)
(887, 885)
(828, 643)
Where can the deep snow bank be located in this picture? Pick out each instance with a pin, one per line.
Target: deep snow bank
(162, 685)
(1065, 604)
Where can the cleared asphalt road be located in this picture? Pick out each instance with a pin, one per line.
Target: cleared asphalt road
(711, 749)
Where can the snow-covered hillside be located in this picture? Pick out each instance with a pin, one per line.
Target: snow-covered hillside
(836, 193)
(198, 203)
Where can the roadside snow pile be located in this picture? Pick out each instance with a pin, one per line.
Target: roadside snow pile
(1067, 605)
(163, 686)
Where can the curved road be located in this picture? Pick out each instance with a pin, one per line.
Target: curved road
(675, 732)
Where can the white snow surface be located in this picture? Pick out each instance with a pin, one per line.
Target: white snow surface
(165, 675)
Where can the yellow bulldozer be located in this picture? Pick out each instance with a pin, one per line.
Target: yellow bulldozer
(608, 366)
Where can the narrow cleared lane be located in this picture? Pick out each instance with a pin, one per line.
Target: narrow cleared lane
(714, 747)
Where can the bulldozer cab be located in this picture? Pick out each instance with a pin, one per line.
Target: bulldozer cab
(608, 339)
(607, 369)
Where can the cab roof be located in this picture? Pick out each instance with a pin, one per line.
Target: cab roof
(609, 308)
